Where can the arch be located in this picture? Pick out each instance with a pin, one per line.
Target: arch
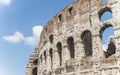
(41, 58)
(35, 62)
(45, 56)
(51, 55)
(70, 11)
(51, 38)
(87, 41)
(108, 44)
(34, 71)
(70, 42)
(59, 48)
(105, 26)
(104, 11)
(60, 17)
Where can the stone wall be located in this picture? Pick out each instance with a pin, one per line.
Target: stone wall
(71, 42)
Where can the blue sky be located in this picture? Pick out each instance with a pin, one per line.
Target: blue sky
(21, 22)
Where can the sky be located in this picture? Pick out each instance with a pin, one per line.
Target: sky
(21, 22)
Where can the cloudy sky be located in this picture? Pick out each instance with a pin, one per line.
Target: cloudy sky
(21, 22)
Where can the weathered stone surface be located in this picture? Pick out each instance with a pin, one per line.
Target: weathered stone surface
(70, 44)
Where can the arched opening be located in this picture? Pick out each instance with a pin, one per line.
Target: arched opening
(51, 56)
(60, 18)
(104, 2)
(59, 48)
(45, 56)
(51, 38)
(70, 42)
(35, 62)
(41, 58)
(87, 41)
(108, 44)
(70, 10)
(105, 14)
(34, 72)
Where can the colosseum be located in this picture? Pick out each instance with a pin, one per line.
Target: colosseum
(71, 42)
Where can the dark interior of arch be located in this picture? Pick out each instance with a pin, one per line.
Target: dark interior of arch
(70, 42)
(70, 10)
(59, 48)
(87, 41)
(41, 58)
(51, 54)
(51, 38)
(35, 62)
(45, 56)
(34, 72)
(60, 17)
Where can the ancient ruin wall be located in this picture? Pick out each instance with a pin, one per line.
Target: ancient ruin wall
(71, 43)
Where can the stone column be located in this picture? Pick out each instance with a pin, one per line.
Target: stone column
(97, 54)
(29, 69)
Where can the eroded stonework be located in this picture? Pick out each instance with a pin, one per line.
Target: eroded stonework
(71, 43)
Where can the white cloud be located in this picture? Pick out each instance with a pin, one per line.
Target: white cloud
(5, 2)
(30, 40)
(105, 47)
(33, 40)
(15, 38)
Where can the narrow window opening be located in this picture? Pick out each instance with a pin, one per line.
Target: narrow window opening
(35, 62)
(108, 44)
(104, 2)
(45, 56)
(51, 38)
(70, 42)
(87, 41)
(46, 29)
(59, 48)
(70, 11)
(41, 58)
(34, 72)
(51, 56)
(60, 18)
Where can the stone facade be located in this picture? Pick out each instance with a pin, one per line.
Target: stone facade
(71, 42)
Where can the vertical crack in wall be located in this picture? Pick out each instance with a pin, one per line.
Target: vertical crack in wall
(90, 14)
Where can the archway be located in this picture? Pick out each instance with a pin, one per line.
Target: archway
(87, 41)
(107, 37)
(70, 42)
(59, 48)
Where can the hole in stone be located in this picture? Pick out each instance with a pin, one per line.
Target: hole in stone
(87, 41)
(51, 38)
(106, 16)
(45, 56)
(108, 44)
(35, 62)
(60, 17)
(104, 2)
(59, 48)
(34, 72)
(70, 42)
(70, 11)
